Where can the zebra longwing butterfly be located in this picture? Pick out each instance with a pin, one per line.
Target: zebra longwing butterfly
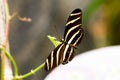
(73, 35)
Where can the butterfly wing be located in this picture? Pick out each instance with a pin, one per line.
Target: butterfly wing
(68, 54)
(72, 36)
(61, 54)
(73, 31)
(55, 58)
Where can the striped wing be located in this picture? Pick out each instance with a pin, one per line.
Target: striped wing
(72, 36)
(73, 31)
(61, 54)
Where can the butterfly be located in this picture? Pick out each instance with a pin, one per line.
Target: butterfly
(73, 35)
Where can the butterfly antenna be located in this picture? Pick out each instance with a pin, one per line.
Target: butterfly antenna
(57, 33)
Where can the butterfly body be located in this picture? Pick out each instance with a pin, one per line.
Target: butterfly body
(73, 35)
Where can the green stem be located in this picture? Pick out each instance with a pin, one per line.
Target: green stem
(16, 77)
(12, 61)
(31, 72)
(56, 43)
(2, 66)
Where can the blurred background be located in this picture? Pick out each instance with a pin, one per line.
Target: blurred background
(29, 44)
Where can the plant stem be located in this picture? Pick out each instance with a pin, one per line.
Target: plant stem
(56, 43)
(6, 70)
(31, 72)
(2, 66)
(12, 61)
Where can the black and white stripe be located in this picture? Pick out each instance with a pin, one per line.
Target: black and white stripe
(72, 37)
